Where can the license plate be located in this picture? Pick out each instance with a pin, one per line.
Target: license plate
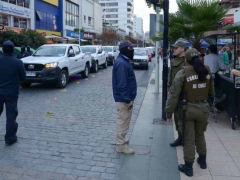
(136, 63)
(30, 74)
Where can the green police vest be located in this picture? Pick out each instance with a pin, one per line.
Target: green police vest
(176, 66)
(194, 89)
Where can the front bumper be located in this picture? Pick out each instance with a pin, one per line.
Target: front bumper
(44, 76)
(139, 64)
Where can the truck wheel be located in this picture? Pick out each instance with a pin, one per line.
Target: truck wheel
(95, 67)
(62, 82)
(25, 84)
(105, 65)
(85, 73)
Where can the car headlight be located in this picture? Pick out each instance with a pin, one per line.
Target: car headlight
(51, 65)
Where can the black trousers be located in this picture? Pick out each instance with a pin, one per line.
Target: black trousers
(11, 114)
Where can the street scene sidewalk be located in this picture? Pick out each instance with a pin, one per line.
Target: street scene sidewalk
(154, 159)
(223, 152)
(77, 142)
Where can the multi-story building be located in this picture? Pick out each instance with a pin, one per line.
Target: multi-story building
(119, 13)
(49, 17)
(17, 15)
(84, 15)
(138, 26)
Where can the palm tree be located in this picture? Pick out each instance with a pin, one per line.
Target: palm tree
(193, 19)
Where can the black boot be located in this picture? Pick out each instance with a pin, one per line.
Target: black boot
(201, 160)
(186, 168)
(177, 142)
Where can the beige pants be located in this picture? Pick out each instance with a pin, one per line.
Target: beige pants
(124, 111)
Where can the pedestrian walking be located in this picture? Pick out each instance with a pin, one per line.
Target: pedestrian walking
(193, 85)
(11, 73)
(176, 65)
(124, 92)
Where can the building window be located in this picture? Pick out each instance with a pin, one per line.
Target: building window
(23, 3)
(72, 14)
(89, 21)
(111, 4)
(20, 22)
(4, 19)
(84, 19)
(46, 21)
(112, 16)
(110, 10)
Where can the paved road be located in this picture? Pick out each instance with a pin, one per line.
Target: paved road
(77, 141)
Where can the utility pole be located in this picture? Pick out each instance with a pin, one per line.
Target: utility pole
(165, 57)
(157, 54)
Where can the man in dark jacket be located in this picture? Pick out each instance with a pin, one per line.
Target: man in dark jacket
(11, 73)
(23, 53)
(124, 92)
(29, 52)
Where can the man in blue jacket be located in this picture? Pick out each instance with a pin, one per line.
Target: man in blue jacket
(11, 73)
(124, 92)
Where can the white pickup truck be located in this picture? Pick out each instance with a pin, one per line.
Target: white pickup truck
(112, 53)
(54, 63)
(99, 56)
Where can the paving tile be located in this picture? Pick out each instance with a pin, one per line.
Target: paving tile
(225, 178)
(223, 168)
(218, 156)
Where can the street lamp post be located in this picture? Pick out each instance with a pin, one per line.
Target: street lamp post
(157, 54)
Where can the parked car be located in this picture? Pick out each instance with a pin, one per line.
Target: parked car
(99, 57)
(112, 53)
(54, 63)
(141, 58)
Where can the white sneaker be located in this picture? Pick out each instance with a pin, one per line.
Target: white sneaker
(126, 150)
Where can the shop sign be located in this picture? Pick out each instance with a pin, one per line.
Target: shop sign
(14, 10)
(88, 36)
(73, 34)
(45, 32)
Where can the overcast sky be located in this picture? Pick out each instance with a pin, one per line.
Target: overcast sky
(141, 10)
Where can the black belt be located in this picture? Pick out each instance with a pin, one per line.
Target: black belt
(201, 101)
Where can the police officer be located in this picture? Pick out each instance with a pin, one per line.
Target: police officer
(11, 73)
(193, 83)
(176, 65)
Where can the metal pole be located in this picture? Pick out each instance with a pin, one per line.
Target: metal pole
(157, 55)
(165, 58)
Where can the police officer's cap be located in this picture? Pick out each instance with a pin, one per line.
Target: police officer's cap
(190, 53)
(179, 44)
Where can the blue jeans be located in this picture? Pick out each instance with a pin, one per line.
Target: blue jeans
(10, 102)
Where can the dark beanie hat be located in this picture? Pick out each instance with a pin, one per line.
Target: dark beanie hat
(8, 47)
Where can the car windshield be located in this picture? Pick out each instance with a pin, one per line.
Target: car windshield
(108, 49)
(140, 52)
(50, 51)
(88, 49)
